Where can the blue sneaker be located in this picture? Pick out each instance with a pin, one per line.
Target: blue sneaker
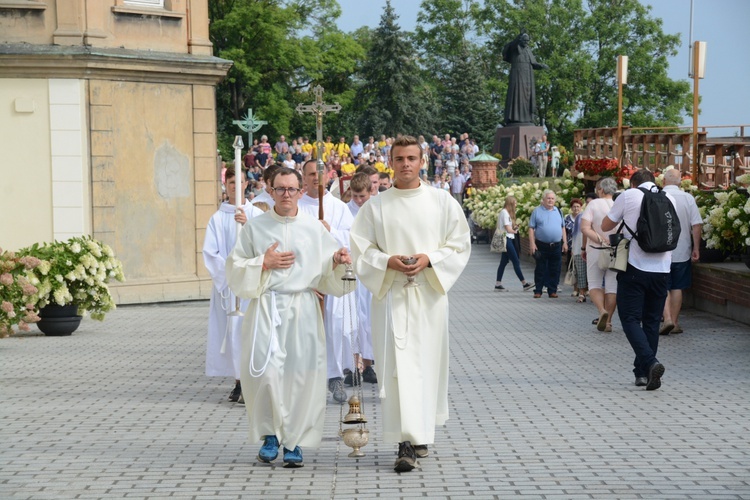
(293, 458)
(270, 449)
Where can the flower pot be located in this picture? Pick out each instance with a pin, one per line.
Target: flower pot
(57, 321)
(711, 255)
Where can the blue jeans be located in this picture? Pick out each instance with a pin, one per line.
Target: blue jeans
(548, 265)
(509, 255)
(640, 303)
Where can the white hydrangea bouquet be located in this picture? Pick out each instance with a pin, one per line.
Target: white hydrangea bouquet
(76, 272)
(726, 218)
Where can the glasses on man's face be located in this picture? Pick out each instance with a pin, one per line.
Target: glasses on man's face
(291, 191)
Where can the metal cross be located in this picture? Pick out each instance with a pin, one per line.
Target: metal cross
(250, 124)
(318, 108)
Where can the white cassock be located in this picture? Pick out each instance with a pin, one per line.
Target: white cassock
(264, 197)
(283, 336)
(221, 235)
(410, 325)
(363, 339)
(340, 312)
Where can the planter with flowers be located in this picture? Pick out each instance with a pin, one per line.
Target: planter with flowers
(70, 280)
(726, 219)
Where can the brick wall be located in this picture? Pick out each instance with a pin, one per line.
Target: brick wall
(721, 289)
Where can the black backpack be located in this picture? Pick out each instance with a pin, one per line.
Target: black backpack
(658, 228)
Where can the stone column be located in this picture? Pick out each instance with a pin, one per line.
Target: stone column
(71, 22)
(198, 41)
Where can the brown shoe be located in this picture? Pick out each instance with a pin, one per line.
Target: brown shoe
(537, 295)
(553, 296)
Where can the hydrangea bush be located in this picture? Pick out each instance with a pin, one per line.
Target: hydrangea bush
(726, 219)
(486, 204)
(77, 272)
(17, 292)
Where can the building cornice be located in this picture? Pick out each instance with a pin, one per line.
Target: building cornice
(83, 62)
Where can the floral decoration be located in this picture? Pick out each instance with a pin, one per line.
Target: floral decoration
(17, 293)
(76, 271)
(726, 218)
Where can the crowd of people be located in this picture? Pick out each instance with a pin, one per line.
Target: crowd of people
(446, 164)
(303, 331)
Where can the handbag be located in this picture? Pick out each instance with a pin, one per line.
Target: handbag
(570, 276)
(615, 256)
(499, 241)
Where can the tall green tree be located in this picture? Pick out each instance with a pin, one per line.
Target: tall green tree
(392, 97)
(466, 103)
(280, 49)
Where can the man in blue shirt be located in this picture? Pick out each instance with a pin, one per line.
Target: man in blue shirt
(548, 242)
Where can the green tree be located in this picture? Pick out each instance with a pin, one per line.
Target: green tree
(466, 104)
(280, 49)
(392, 97)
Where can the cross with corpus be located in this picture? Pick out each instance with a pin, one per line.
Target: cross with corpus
(319, 108)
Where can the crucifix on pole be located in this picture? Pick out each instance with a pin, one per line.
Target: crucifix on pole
(250, 124)
(319, 108)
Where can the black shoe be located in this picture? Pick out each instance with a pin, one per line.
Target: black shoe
(348, 379)
(236, 393)
(407, 458)
(641, 381)
(369, 375)
(421, 450)
(654, 376)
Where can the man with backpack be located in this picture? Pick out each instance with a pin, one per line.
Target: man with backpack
(646, 217)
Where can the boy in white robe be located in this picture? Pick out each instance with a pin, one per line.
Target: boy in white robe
(279, 261)
(410, 324)
(223, 350)
(338, 325)
(362, 344)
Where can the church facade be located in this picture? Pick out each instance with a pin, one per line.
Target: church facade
(108, 127)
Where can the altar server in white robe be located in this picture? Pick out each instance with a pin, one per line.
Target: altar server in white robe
(223, 350)
(362, 342)
(338, 325)
(410, 325)
(265, 196)
(278, 262)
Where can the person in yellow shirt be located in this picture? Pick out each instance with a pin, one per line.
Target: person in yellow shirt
(328, 144)
(347, 167)
(380, 166)
(342, 148)
(307, 147)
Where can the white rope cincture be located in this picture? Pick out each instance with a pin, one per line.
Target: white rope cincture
(273, 343)
(226, 306)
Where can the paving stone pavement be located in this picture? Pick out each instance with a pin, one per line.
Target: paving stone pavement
(542, 406)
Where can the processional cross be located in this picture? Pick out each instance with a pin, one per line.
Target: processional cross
(319, 108)
(250, 124)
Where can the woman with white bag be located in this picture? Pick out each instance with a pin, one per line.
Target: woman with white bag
(602, 282)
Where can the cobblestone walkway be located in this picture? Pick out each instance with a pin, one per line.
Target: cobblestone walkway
(542, 406)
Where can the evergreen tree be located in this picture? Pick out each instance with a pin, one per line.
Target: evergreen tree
(466, 101)
(392, 98)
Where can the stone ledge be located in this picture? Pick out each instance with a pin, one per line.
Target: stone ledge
(147, 12)
(21, 5)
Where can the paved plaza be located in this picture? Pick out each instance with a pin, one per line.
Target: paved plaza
(542, 406)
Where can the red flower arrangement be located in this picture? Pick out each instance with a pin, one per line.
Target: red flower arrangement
(603, 168)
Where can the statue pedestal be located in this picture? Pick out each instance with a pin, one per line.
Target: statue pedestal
(513, 141)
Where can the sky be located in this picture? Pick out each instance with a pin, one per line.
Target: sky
(724, 92)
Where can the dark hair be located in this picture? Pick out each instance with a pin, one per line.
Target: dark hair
(313, 161)
(230, 173)
(384, 175)
(641, 176)
(286, 171)
(591, 196)
(367, 169)
(406, 140)
(268, 173)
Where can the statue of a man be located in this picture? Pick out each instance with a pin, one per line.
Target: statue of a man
(520, 102)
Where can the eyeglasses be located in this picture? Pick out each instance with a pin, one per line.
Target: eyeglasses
(291, 191)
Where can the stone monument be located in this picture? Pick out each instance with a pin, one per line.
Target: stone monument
(514, 137)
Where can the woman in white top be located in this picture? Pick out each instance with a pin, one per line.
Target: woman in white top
(507, 219)
(602, 283)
